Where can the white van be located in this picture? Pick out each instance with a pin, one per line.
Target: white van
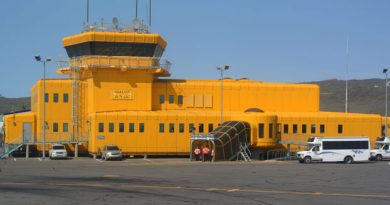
(381, 150)
(336, 149)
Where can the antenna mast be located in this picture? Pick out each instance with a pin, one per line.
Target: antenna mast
(346, 74)
(136, 9)
(87, 11)
(150, 13)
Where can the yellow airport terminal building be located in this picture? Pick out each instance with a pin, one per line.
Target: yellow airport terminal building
(118, 92)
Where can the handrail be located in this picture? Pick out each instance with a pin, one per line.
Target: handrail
(97, 61)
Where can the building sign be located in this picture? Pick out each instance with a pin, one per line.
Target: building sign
(122, 94)
(100, 137)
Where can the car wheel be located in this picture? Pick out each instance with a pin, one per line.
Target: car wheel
(378, 157)
(307, 160)
(348, 160)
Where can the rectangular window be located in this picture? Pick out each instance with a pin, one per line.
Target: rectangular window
(55, 127)
(313, 128)
(303, 128)
(322, 128)
(101, 127)
(327, 145)
(171, 99)
(55, 97)
(340, 129)
(191, 128)
(141, 127)
(285, 128)
(65, 127)
(46, 97)
(211, 127)
(131, 127)
(111, 127)
(200, 128)
(66, 97)
(270, 130)
(162, 99)
(261, 130)
(295, 128)
(171, 127)
(180, 99)
(181, 127)
(161, 128)
(121, 127)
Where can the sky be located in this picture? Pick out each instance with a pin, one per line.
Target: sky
(263, 40)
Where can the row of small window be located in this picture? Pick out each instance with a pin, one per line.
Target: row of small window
(65, 127)
(171, 99)
(65, 97)
(295, 129)
(141, 127)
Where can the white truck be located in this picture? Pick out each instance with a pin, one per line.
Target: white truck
(336, 149)
(381, 150)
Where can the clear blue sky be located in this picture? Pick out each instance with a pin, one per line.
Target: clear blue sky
(274, 40)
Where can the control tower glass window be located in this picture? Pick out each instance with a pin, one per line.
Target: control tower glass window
(115, 49)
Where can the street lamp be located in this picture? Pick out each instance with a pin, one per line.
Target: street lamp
(44, 61)
(222, 69)
(386, 126)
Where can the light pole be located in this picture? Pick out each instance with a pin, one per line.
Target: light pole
(225, 68)
(44, 61)
(386, 126)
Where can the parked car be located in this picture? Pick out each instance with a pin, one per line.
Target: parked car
(111, 152)
(21, 151)
(58, 151)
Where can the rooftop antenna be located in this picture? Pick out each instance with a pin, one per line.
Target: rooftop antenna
(346, 74)
(136, 9)
(150, 13)
(87, 11)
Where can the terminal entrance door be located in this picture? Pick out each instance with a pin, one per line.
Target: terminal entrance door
(27, 132)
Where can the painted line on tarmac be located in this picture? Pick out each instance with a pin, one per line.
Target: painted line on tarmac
(111, 176)
(236, 190)
(229, 190)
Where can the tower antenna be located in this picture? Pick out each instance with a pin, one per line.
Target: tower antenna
(150, 13)
(136, 9)
(87, 11)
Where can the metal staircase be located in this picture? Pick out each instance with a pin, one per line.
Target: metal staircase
(7, 149)
(244, 153)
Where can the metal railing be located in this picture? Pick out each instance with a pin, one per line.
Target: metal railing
(10, 147)
(137, 27)
(114, 62)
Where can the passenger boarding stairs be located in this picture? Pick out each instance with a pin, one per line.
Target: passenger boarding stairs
(244, 153)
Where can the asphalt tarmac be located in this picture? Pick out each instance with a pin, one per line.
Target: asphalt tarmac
(178, 181)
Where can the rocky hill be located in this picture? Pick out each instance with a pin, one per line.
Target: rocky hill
(364, 96)
(14, 104)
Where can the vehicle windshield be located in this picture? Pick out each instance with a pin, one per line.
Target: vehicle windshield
(309, 147)
(58, 147)
(112, 148)
(378, 146)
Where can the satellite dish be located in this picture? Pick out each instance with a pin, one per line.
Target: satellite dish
(115, 23)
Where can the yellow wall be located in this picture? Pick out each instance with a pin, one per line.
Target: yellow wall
(56, 112)
(238, 95)
(13, 128)
(106, 84)
(352, 125)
